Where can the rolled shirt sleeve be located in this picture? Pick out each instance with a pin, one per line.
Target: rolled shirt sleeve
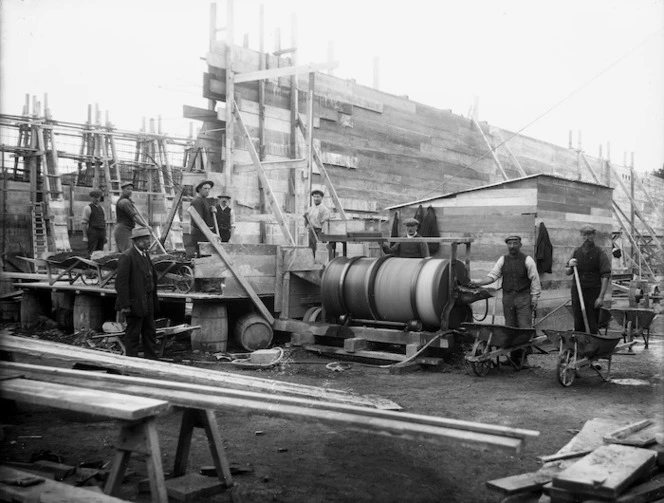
(533, 275)
(497, 271)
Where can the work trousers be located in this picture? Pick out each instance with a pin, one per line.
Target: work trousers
(225, 235)
(142, 327)
(590, 295)
(517, 308)
(122, 236)
(96, 239)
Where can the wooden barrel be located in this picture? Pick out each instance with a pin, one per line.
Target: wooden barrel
(62, 305)
(394, 289)
(31, 308)
(431, 291)
(253, 332)
(88, 312)
(213, 319)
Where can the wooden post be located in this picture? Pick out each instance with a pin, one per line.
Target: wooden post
(310, 130)
(230, 96)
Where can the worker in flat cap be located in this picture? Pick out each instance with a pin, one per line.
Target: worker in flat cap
(225, 217)
(136, 286)
(315, 216)
(521, 284)
(414, 249)
(127, 217)
(93, 222)
(594, 274)
(206, 210)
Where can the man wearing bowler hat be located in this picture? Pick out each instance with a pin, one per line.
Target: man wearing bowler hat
(414, 249)
(594, 268)
(204, 209)
(521, 284)
(127, 216)
(225, 218)
(136, 286)
(93, 222)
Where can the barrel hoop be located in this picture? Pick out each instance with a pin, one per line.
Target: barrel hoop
(342, 279)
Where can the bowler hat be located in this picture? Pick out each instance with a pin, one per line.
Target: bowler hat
(200, 185)
(95, 193)
(123, 185)
(411, 221)
(140, 232)
(513, 238)
(317, 191)
(588, 229)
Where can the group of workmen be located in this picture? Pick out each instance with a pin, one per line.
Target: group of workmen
(136, 280)
(219, 217)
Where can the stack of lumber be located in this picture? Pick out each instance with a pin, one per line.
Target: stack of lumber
(606, 461)
(215, 396)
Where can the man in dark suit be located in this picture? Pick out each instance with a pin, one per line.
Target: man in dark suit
(136, 285)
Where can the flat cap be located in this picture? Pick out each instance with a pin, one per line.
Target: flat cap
(318, 191)
(206, 182)
(411, 221)
(588, 229)
(125, 184)
(513, 237)
(140, 232)
(95, 193)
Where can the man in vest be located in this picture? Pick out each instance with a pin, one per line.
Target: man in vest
(127, 217)
(414, 249)
(594, 269)
(225, 218)
(94, 223)
(521, 284)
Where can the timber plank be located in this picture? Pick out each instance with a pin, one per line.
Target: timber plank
(607, 471)
(114, 405)
(522, 483)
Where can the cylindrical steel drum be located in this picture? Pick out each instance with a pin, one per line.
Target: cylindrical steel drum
(358, 288)
(431, 290)
(331, 286)
(395, 287)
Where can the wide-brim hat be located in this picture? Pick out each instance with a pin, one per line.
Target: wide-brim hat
(588, 229)
(125, 184)
(223, 196)
(198, 187)
(318, 191)
(140, 232)
(513, 237)
(411, 221)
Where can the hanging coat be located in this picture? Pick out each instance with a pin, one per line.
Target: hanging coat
(429, 228)
(419, 215)
(543, 250)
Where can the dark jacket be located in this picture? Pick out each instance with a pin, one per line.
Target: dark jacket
(593, 265)
(414, 249)
(136, 283)
(543, 250)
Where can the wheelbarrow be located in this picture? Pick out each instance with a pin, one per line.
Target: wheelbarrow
(174, 272)
(491, 342)
(634, 321)
(67, 266)
(581, 349)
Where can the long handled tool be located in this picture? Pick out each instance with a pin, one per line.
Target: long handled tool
(583, 304)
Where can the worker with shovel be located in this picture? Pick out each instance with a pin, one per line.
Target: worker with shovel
(592, 273)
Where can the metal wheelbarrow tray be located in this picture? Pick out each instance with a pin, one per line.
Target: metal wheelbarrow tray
(634, 321)
(581, 349)
(493, 341)
(174, 272)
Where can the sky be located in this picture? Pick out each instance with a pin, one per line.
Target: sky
(541, 68)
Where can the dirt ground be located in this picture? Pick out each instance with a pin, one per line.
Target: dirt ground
(277, 460)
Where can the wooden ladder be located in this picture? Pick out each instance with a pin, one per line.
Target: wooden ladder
(39, 238)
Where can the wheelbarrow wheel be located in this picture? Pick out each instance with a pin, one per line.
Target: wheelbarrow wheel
(482, 367)
(89, 278)
(185, 282)
(566, 369)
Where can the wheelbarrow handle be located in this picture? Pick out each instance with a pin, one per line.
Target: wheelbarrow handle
(581, 301)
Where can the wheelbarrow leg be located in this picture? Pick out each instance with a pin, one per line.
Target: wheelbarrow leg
(597, 368)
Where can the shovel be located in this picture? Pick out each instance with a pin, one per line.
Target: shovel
(583, 304)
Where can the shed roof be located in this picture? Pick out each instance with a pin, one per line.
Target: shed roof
(492, 186)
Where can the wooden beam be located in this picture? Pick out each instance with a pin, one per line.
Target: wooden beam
(212, 238)
(184, 374)
(283, 71)
(201, 114)
(276, 208)
(491, 149)
(209, 397)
